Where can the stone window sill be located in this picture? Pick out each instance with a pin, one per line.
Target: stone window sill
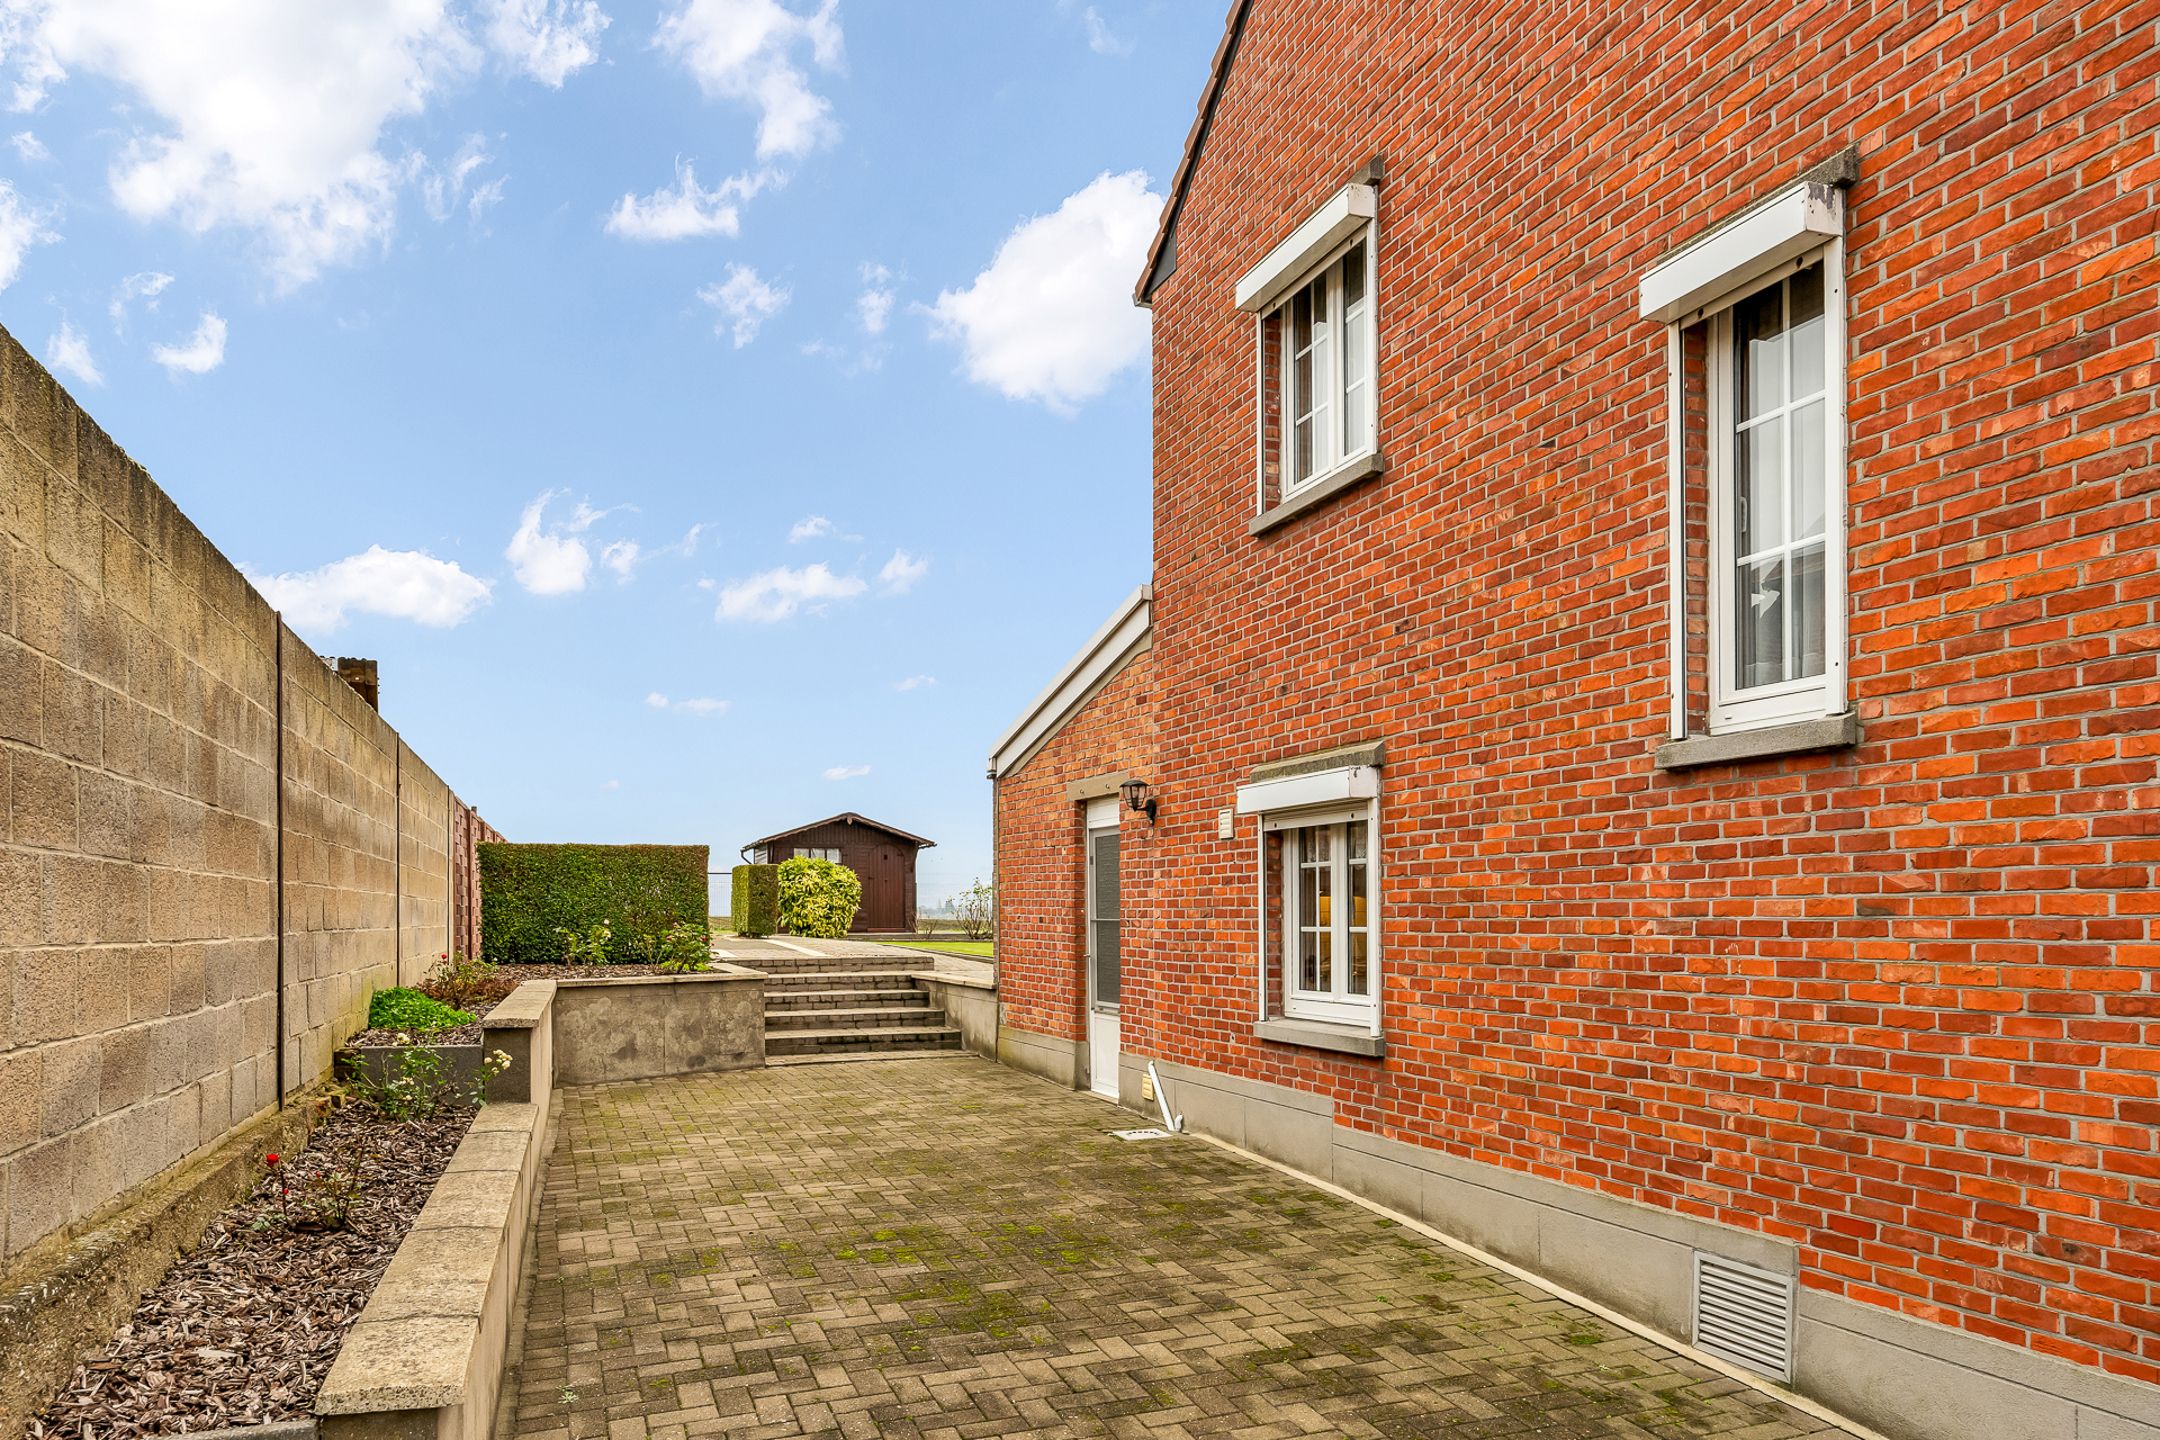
(1346, 477)
(1832, 732)
(1318, 1035)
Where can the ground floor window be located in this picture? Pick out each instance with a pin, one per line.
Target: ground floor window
(1321, 875)
(828, 854)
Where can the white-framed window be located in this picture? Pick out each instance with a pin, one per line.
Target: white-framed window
(1777, 593)
(1756, 310)
(802, 853)
(1324, 336)
(1329, 920)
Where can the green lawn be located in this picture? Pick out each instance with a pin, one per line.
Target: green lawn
(975, 949)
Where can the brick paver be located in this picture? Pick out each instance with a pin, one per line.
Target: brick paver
(944, 1248)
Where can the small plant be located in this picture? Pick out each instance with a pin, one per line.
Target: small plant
(463, 984)
(413, 1083)
(590, 948)
(684, 950)
(313, 1205)
(974, 910)
(818, 898)
(404, 1008)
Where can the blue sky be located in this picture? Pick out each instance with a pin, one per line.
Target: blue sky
(429, 312)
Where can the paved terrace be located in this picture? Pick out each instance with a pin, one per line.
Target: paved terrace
(945, 1248)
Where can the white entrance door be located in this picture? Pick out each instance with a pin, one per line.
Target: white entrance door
(1102, 946)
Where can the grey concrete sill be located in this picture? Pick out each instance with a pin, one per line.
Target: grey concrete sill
(1354, 474)
(1315, 1035)
(1832, 732)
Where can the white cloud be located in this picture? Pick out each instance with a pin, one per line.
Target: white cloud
(261, 115)
(442, 188)
(780, 592)
(550, 40)
(21, 226)
(915, 682)
(689, 211)
(622, 556)
(145, 286)
(1052, 318)
(846, 772)
(748, 51)
(551, 559)
(700, 705)
(745, 303)
(200, 353)
(69, 351)
(811, 527)
(486, 197)
(873, 307)
(612, 785)
(402, 584)
(1099, 36)
(29, 148)
(901, 572)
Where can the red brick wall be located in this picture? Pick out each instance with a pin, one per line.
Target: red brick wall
(1041, 863)
(467, 831)
(1894, 1004)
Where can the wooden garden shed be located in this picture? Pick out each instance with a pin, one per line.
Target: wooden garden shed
(882, 857)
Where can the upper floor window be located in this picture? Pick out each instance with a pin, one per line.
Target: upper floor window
(1313, 300)
(1755, 315)
(1771, 522)
(1326, 340)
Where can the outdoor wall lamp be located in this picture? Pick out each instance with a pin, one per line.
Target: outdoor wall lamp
(1137, 798)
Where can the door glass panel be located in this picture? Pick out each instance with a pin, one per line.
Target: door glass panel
(1103, 916)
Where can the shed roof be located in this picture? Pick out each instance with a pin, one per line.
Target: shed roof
(845, 817)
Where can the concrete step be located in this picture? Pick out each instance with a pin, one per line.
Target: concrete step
(840, 980)
(840, 1042)
(790, 1001)
(781, 1022)
(821, 964)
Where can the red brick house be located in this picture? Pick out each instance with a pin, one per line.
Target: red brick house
(1649, 677)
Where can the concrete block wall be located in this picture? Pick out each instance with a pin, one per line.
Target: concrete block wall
(139, 830)
(424, 880)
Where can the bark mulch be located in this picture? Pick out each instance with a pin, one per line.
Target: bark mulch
(242, 1331)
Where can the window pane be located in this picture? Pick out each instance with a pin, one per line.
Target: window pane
(1353, 274)
(1810, 614)
(1759, 497)
(1360, 970)
(1807, 330)
(1324, 961)
(1360, 915)
(1760, 347)
(1809, 436)
(1308, 960)
(1759, 622)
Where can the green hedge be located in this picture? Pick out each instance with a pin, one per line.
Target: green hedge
(528, 892)
(818, 897)
(756, 903)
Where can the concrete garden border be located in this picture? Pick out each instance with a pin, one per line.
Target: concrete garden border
(425, 1359)
(969, 1003)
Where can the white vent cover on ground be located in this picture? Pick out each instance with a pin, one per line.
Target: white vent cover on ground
(1151, 1132)
(1744, 1315)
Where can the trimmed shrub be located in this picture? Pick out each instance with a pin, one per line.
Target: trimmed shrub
(755, 910)
(407, 1009)
(817, 897)
(529, 893)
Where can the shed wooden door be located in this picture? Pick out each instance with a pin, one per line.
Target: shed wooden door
(884, 876)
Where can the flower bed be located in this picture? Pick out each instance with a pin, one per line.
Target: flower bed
(242, 1331)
